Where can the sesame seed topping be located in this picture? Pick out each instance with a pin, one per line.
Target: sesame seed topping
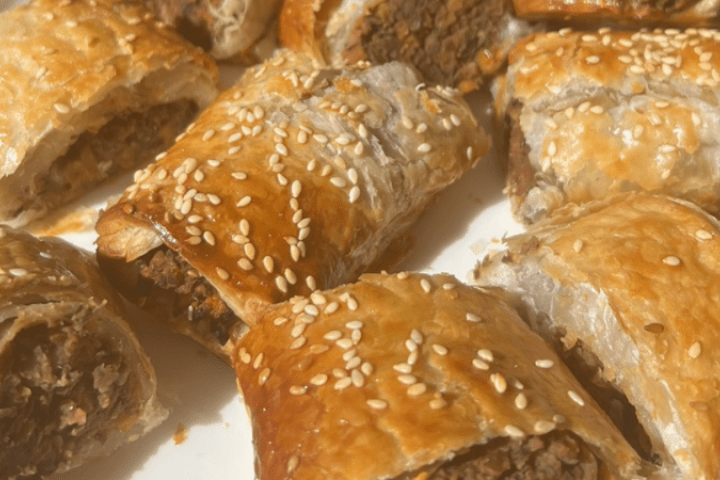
(485, 354)
(61, 108)
(592, 60)
(233, 150)
(235, 137)
(194, 241)
(258, 360)
(552, 149)
(263, 377)
(377, 404)
(498, 382)
(239, 175)
(310, 282)
(298, 330)
(439, 349)
(480, 365)
(407, 379)
(366, 368)
(249, 250)
(332, 307)
(672, 261)
(471, 317)
(343, 383)
(543, 426)
(417, 389)
(333, 335)
(338, 182)
(209, 237)
(319, 379)
(354, 324)
(344, 343)
(695, 350)
(358, 379)
(223, 274)
(281, 283)
(298, 390)
(354, 194)
(544, 363)
(244, 227)
(296, 188)
(402, 368)
(416, 336)
(576, 398)
(703, 235)
(425, 284)
(521, 401)
(352, 304)
(280, 321)
(410, 345)
(208, 135)
(298, 342)
(514, 431)
(424, 148)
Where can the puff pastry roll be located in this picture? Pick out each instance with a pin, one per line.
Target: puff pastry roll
(589, 114)
(417, 377)
(453, 43)
(225, 28)
(74, 381)
(629, 291)
(88, 89)
(295, 179)
(630, 12)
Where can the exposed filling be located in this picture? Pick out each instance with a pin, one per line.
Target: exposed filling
(441, 39)
(520, 172)
(63, 390)
(668, 6)
(124, 143)
(191, 18)
(588, 370)
(558, 455)
(170, 284)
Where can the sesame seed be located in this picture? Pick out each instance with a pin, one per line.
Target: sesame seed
(280, 321)
(407, 379)
(209, 237)
(425, 284)
(592, 60)
(354, 194)
(437, 403)
(575, 397)
(417, 389)
(356, 336)
(358, 379)
(239, 175)
(352, 304)
(296, 188)
(333, 335)
(319, 379)
(244, 227)
(498, 382)
(544, 363)
(416, 336)
(208, 135)
(703, 235)
(439, 349)
(577, 245)
(424, 148)
(543, 426)
(263, 377)
(298, 343)
(320, 138)
(343, 383)
(269, 264)
(366, 368)
(17, 272)
(402, 368)
(485, 354)
(471, 317)
(410, 345)
(194, 241)
(298, 390)
(406, 122)
(552, 149)
(449, 286)
(61, 108)
(480, 365)
(671, 261)
(521, 401)
(514, 431)
(281, 283)
(310, 282)
(354, 324)
(249, 250)
(290, 276)
(332, 307)
(377, 404)
(695, 350)
(258, 360)
(298, 330)
(223, 274)
(344, 343)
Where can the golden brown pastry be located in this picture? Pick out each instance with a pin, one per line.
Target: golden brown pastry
(88, 88)
(74, 381)
(226, 28)
(453, 43)
(412, 376)
(589, 114)
(295, 179)
(629, 292)
(630, 12)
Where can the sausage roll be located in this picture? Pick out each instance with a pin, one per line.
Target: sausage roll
(225, 28)
(450, 42)
(74, 381)
(629, 291)
(630, 12)
(592, 114)
(88, 88)
(417, 377)
(295, 179)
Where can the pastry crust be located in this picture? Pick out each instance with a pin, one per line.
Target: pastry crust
(74, 381)
(455, 43)
(228, 29)
(635, 281)
(68, 68)
(295, 179)
(591, 114)
(397, 376)
(628, 12)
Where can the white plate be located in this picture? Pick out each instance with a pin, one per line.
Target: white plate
(468, 219)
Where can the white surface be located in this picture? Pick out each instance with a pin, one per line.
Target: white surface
(200, 390)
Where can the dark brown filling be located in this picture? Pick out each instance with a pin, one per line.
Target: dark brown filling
(126, 142)
(441, 39)
(62, 390)
(558, 455)
(170, 284)
(191, 18)
(520, 172)
(667, 6)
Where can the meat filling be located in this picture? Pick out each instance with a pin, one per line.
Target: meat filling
(124, 143)
(63, 390)
(172, 285)
(558, 455)
(520, 172)
(443, 40)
